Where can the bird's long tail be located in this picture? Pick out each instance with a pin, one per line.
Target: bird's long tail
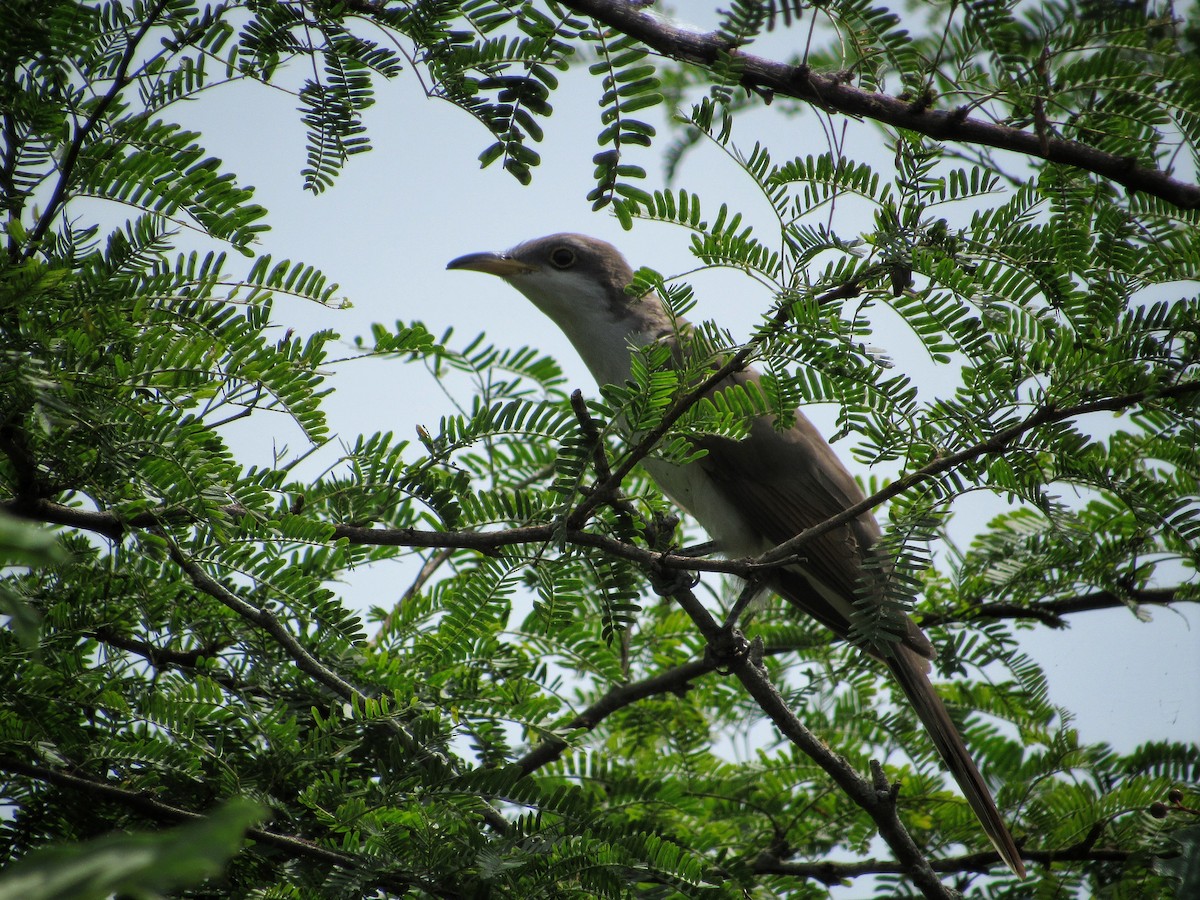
(909, 670)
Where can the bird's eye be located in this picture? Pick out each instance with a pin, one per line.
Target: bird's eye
(562, 258)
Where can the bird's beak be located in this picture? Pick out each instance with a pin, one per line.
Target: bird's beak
(491, 263)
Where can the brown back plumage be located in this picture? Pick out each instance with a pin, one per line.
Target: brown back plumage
(793, 480)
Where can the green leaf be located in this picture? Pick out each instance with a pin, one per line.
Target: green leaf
(139, 865)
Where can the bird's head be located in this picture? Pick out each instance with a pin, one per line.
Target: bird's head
(570, 277)
(579, 282)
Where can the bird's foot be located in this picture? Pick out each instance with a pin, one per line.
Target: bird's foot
(669, 582)
(729, 646)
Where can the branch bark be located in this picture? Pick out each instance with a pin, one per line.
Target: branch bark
(832, 94)
(1053, 612)
(1050, 612)
(832, 873)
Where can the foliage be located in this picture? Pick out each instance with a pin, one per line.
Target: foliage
(136, 865)
(182, 640)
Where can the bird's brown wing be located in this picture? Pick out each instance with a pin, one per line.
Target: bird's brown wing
(909, 670)
(792, 480)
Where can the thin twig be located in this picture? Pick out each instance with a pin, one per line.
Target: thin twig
(1053, 612)
(427, 571)
(675, 680)
(648, 440)
(1045, 415)
(313, 667)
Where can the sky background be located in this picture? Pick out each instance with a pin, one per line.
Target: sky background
(396, 216)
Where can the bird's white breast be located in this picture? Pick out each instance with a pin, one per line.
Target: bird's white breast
(604, 334)
(690, 487)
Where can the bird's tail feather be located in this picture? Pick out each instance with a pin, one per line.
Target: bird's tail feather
(909, 671)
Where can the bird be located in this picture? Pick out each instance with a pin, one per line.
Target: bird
(751, 493)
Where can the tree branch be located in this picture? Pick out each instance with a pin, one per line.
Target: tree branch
(159, 657)
(95, 521)
(736, 363)
(427, 571)
(831, 94)
(877, 799)
(14, 444)
(113, 527)
(832, 873)
(313, 667)
(184, 660)
(1045, 415)
(676, 680)
(1053, 612)
(120, 78)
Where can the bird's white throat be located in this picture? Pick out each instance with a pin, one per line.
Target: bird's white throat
(602, 330)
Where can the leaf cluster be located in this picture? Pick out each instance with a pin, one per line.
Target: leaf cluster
(524, 714)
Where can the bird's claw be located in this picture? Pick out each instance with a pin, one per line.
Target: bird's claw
(668, 582)
(727, 647)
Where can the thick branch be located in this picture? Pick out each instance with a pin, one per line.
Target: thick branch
(113, 527)
(14, 444)
(1051, 612)
(832, 94)
(159, 657)
(95, 521)
(878, 800)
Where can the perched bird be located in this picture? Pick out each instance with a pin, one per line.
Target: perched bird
(750, 494)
